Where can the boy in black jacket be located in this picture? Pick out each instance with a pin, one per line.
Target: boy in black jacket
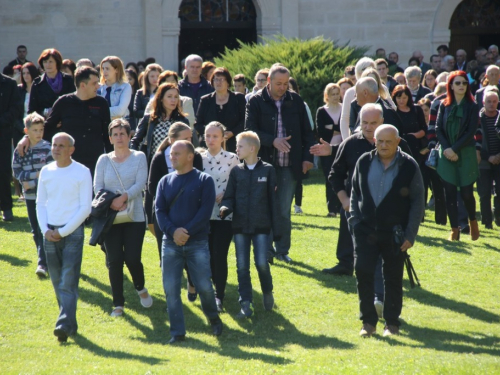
(251, 197)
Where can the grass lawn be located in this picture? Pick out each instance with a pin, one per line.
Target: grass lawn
(451, 325)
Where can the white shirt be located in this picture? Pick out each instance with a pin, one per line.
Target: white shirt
(219, 167)
(64, 197)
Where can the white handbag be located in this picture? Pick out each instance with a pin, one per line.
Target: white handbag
(127, 215)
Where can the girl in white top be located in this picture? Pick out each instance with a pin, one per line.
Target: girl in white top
(115, 87)
(218, 163)
(123, 242)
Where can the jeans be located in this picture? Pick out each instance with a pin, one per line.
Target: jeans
(368, 246)
(64, 260)
(484, 186)
(35, 230)
(260, 245)
(286, 189)
(197, 257)
(219, 240)
(123, 243)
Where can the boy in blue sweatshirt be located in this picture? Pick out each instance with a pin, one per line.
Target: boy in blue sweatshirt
(251, 197)
(27, 169)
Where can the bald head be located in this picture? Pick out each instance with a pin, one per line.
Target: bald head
(418, 55)
(386, 129)
(493, 74)
(366, 91)
(181, 156)
(387, 141)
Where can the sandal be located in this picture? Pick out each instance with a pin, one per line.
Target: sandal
(145, 301)
(117, 311)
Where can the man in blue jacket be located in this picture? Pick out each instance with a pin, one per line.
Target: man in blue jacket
(184, 203)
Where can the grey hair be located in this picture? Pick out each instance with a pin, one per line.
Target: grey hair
(70, 139)
(440, 88)
(278, 68)
(371, 107)
(369, 83)
(385, 127)
(442, 77)
(448, 58)
(362, 64)
(413, 71)
(192, 58)
(494, 46)
(33, 118)
(490, 90)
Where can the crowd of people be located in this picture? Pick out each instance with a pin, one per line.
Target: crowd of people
(129, 148)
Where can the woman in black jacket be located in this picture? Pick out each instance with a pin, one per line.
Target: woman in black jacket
(161, 166)
(148, 90)
(51, 85)
(223, 106)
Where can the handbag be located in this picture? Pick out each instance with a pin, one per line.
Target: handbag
(127, 215)
(432, 160)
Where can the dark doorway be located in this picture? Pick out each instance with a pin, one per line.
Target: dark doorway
(209, 26)
(475, 23)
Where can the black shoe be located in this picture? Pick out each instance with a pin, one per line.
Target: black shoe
(61, 335)
(8, 215)
(465, 230)
(216, 324)
(176, 339)
(338, 270)
(284, 258)
(488, 226)
(270, 260)
(268, 300)
(192, 296)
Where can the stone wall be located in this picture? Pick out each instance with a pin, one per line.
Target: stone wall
(136, 29)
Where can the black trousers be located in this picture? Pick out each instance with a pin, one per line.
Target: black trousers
(299, 190)
(484, 186)
(219, 240)
(467, 194)
(345, 248)
(439, 200)
(332, 200)
(123, 244)
(368, 246)
(5, 171)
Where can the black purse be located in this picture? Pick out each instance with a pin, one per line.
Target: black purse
(432, 160)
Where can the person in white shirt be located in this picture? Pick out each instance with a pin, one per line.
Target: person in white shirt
(64, 199)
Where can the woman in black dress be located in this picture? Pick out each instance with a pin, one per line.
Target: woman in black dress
(224, 106)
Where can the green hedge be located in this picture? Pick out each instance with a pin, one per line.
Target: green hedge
(313, 63)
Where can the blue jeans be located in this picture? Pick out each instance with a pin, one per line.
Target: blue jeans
(286, 190)
(64, 260)
(35, 230)
(197, 257)
(260, 246)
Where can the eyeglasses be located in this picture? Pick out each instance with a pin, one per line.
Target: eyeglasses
(460, 83)
(219, 79)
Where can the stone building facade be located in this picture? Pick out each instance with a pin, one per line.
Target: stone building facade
(136, 29)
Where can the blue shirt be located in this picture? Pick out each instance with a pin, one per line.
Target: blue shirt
(193, 207)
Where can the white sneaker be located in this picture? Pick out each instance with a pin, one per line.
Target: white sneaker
(379, 306)
(145, 301)
(41, 271)
(117, 311)
(298, 209)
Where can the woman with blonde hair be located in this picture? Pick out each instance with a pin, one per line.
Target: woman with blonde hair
(115, 87)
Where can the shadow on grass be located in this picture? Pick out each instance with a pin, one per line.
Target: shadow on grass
(443, 243)
(85, 344)
(446, 341)
(432, 299)
(302, 226)
(15, 261)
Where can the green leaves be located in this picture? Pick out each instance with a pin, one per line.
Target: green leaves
(313, 63)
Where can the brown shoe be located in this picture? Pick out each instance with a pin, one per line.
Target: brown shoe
(390, 330)
(474, 230)
(367, 330)
(455, 234)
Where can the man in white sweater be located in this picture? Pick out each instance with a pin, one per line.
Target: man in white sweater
(64, 199)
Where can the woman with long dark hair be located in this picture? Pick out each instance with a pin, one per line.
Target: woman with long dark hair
(51, 85)
(456, 126)
(148, 89)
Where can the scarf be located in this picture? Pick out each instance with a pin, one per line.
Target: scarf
(55, 83)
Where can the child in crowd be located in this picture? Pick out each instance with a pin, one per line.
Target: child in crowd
(240, 84)
(26, 170)
(251, 197)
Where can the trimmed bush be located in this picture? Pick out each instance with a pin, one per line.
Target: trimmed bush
(313, 63)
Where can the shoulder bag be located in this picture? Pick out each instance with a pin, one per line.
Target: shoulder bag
(127, 215)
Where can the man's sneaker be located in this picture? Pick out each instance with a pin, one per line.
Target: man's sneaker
(390, 330)
(216, 324)
(246, 309)
(8, 215)
(379, 307)
(41, 271)
(298, 209)
(367, 330)
(268, 301)
(218, 302)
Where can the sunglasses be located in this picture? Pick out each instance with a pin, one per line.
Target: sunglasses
(460, 83)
